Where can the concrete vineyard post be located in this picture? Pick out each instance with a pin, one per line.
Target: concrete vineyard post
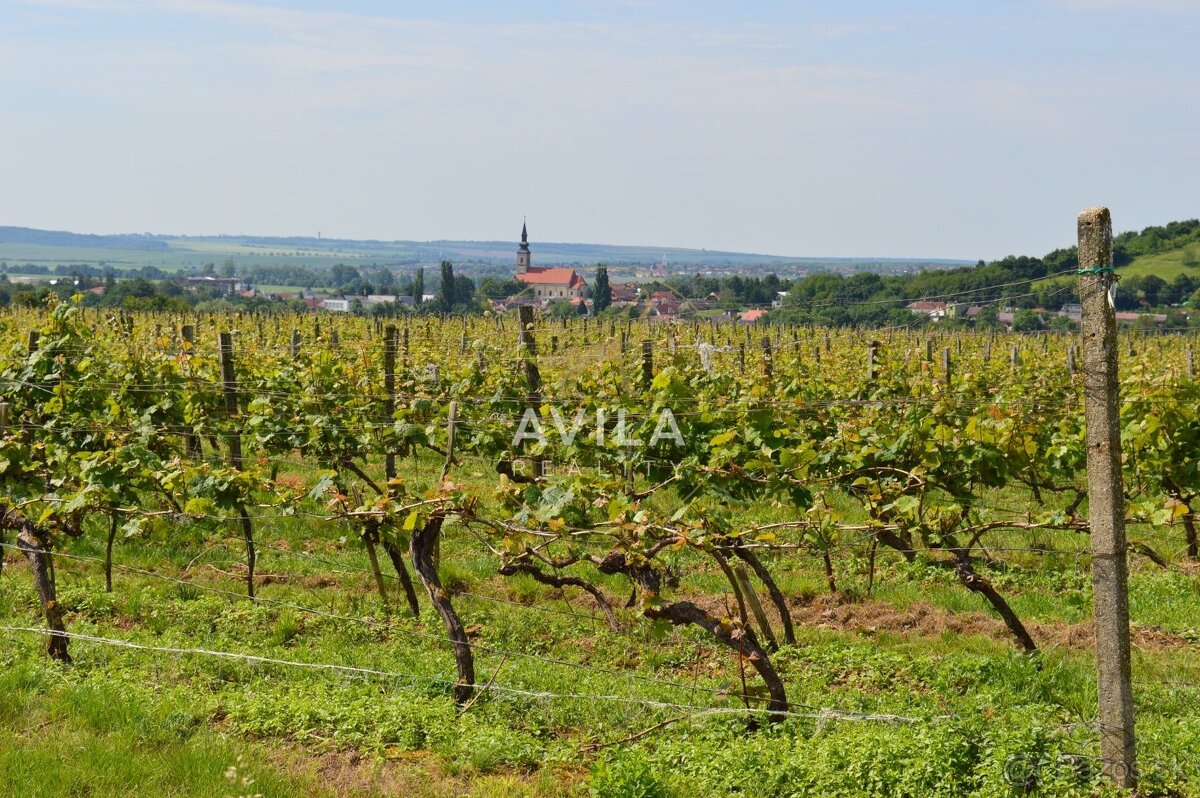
(1106, 504)
(389, 393)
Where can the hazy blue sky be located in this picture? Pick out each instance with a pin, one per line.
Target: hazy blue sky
(940, 129)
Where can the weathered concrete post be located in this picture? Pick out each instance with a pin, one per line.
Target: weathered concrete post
(1106, 501)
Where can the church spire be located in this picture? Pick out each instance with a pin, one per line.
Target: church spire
(523, 255)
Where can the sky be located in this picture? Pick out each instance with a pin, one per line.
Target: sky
(947, 129)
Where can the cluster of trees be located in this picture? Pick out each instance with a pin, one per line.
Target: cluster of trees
(137, 293)
(871, 300)
(455, 293)
(1154, 240)
(74, 270)
(1149, 291)
(733, 291)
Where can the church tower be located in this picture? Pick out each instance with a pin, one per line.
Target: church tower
(523, 254)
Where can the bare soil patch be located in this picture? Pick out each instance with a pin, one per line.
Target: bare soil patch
(351, 774)
(846, 614)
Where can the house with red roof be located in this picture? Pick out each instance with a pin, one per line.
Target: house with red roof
(751, 316)
(664, 303)
(625, 292)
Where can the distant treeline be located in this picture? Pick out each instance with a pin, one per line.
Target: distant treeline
(1018, 281)
(83, 270)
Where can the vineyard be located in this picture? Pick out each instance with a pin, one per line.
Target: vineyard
(289, 554)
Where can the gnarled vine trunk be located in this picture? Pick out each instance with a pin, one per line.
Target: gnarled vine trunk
(37, 551)
(777, 598)
(369, 535)
(680, 613)
(397, 557)
(421, 549)
(251, 555)
(553, 580)
(741, 640)
(964, 569)
(980, 584)
(108, 548)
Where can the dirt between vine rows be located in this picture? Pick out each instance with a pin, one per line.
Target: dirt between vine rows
(846, 614)
(346, 774)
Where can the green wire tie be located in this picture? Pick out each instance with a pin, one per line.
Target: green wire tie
(1097, 270)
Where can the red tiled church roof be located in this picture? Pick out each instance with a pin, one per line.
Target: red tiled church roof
(565, 277)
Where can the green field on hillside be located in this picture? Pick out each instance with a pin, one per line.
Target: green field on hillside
(1166, 265)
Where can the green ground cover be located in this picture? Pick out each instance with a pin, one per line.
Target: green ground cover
(964, 712)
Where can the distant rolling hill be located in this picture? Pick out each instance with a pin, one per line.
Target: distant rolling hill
(59, 238)
(22, 245)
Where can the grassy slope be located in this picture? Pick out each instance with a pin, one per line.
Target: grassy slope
(136, 723)
(1166, 265)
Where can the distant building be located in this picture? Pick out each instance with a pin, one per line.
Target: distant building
(664, 303)
(624, 292)
(938, 310)
(228, 285)
(548, 283)
(751, 316)
(336, 305)
(934, 310)
(1129, 317)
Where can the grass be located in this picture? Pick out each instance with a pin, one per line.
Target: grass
(131, 722)
(281, 289)
(1166, 265)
